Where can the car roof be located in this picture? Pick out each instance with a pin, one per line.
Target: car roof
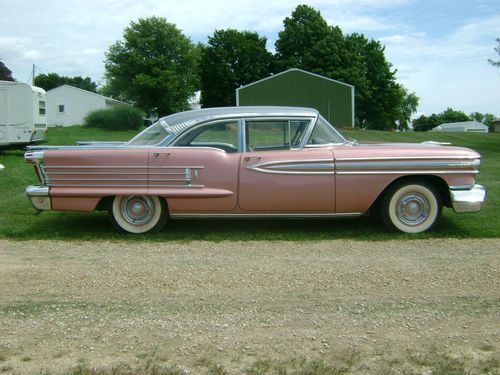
(180, 121)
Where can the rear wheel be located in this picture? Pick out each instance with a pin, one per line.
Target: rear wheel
(411, 207)
(138, 213)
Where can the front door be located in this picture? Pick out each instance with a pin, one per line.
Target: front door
(276, 176)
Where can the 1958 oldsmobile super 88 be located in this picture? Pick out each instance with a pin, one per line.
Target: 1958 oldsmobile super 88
(254, 162)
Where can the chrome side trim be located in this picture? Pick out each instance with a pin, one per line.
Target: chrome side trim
(121, 179)
(470, 200)
(423, 171)
(122, 167)
(409, 164)
(254, 215)
(145, 185)
(445, 157)
(296, 167)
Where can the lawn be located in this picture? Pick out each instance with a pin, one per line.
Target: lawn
(18, 222)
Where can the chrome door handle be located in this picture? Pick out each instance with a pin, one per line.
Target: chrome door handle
(247, 158)
(156, 154)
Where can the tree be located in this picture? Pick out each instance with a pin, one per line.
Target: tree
(450, 115)
(486, 118)
(154, 66)
(53, 80)
(308, 42)
(407, 107)
(497, 50)
(5, 73)
(231, 59)
(424, 123)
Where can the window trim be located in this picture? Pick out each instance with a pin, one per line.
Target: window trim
(309, 135)
(312, 121)
(178, 137)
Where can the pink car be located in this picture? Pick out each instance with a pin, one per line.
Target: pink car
(254, 162)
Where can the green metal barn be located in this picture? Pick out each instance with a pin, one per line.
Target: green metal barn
(296, 87)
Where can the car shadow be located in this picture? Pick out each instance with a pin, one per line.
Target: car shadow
(96, 226)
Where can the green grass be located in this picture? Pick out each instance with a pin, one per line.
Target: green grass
(17, 220)
(433, 361)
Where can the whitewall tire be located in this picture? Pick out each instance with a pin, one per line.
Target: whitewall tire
(138, 213)
(411, 207)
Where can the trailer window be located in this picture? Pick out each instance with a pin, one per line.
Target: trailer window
(61, 108)
(41, 108)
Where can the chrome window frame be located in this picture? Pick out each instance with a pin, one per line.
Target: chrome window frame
(312, 121)
(172, 142)
(309, 134)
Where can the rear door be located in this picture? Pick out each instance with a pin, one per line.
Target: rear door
(200, 172)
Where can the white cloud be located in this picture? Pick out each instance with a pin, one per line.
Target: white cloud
(450, 71)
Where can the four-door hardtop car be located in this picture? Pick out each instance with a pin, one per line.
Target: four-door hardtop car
(254, 162)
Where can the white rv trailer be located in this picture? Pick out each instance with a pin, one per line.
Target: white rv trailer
(22, 114)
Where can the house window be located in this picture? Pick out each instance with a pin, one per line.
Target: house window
(61, 108)
(41, 108)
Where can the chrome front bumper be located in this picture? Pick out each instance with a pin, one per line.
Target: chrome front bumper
(470, 200)
(39, 197)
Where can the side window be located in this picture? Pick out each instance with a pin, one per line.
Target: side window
(274, 134)
(324, 133)
(223, 135)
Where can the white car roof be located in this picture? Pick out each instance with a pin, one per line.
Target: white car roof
(182, 120)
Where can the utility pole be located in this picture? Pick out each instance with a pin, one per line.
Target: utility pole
(33, 75)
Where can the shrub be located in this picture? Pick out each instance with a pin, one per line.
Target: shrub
(117, 118)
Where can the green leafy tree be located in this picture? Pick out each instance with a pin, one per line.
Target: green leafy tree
(379, 109)
(477, 116)
(52, 80)
(154, 66)
(451, 115)
(231, 59)
(308, 42)
(407, 107)
(486, 118)
(497, 50)
(424, 123)
(5, 73)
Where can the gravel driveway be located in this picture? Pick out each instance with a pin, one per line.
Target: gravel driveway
(366, 306)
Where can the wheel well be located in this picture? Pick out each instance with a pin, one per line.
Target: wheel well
(439, 184)
(106, 201)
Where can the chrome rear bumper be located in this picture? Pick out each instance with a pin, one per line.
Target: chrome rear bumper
(39, 197)
(470, 200)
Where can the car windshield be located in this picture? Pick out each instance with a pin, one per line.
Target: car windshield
(324, 133)
(152, 135)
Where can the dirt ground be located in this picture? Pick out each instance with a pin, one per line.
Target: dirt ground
(371, 307)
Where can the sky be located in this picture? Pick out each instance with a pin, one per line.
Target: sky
(440, 49)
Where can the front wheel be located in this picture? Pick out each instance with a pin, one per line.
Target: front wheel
(138, 213)
(411, 207)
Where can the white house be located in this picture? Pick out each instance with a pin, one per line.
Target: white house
(464, 126)
(68, 105)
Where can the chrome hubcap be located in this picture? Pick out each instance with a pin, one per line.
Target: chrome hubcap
(413, 209)
(137, 209)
